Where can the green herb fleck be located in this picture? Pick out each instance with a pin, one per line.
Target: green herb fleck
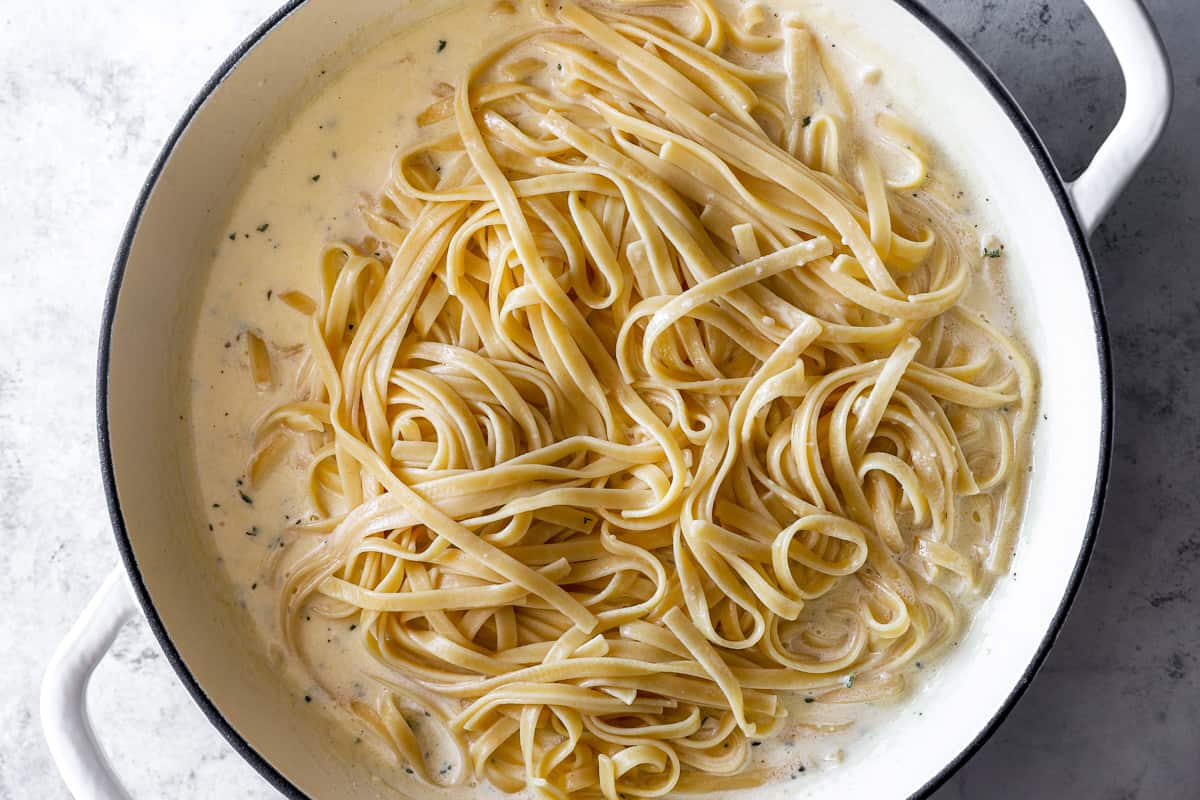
(808, 700)
(441, 45)
(247, 499)
(263, 228)
(920, 665)
(253, 531)
(308, 698)
(849, 680)
(807, 121)
(992, 253)
(316, 178)
(352, 627)
(233, 237)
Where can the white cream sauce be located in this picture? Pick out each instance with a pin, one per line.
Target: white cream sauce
(334, 151)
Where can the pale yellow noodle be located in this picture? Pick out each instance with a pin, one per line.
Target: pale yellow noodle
(649, 403)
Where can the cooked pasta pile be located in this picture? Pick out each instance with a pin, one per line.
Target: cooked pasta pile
(648, 404)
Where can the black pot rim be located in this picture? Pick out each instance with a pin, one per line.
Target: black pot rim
(1054, 182)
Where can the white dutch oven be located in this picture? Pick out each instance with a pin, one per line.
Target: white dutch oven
(168, 241)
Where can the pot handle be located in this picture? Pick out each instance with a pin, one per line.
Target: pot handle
(65, 723)
(1148, 95)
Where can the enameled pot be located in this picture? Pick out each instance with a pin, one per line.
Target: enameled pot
(164, 253)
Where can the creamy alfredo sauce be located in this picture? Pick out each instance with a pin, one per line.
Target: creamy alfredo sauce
(305, 192)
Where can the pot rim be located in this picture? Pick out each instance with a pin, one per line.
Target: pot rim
(1054, 182)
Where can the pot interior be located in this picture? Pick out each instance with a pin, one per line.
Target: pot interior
(172, 241)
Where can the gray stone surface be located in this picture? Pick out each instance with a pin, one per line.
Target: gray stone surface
(88, 92)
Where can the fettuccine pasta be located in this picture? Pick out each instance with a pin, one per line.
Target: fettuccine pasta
(648, 406)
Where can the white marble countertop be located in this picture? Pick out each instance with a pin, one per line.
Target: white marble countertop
(89, 91)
